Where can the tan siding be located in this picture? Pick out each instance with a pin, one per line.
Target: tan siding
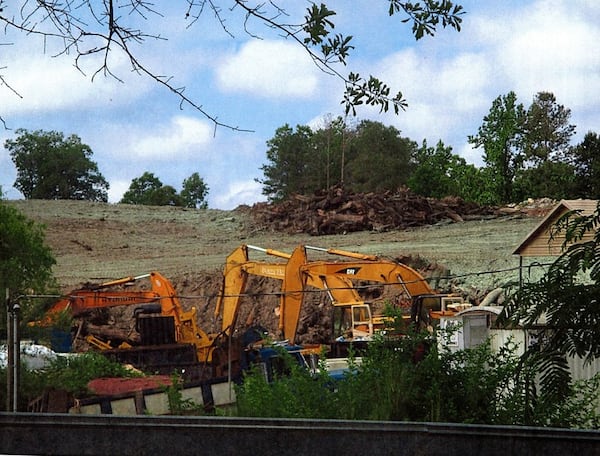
(537, 243)
(543, 246)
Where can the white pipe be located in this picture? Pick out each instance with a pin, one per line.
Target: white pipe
(16, 357)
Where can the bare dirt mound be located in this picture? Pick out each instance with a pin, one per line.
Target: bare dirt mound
(96, 242)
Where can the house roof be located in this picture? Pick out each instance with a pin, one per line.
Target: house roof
(539, 241)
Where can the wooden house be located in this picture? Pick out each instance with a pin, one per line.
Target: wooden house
(540, 243)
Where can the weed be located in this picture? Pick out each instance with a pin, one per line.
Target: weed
(177, 404)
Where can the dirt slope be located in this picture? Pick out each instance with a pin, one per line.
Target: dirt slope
(94, 242)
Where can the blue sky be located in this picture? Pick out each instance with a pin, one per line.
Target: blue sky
(449, 82)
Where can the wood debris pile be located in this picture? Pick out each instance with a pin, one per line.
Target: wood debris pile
(336, 211)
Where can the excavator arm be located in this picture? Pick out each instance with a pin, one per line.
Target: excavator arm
(81, 301)
(238, 267)
(97, 297)
(186, 326)
(399, 275)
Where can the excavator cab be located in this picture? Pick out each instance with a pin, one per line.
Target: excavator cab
(353, 322)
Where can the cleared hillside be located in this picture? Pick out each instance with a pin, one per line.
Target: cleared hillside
(94, 242)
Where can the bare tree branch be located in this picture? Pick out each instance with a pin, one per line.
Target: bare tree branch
(89, 27)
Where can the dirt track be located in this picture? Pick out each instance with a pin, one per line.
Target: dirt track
(94, 242)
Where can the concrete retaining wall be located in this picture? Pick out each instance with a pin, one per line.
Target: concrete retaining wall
(150, 435)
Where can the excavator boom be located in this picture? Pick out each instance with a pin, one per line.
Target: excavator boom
(396, 274)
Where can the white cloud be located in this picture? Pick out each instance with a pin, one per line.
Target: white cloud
(439, 92)
(269, 69)
(46, 84)
(8, 175)
(237, 193)
(466, 77)
(117, 188)
(179, 139)
(554, 51)
(471, 155)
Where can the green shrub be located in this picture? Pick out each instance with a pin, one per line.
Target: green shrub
(409, 378)
(295, 392)
(73, 373)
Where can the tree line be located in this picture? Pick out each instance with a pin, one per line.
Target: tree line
(50, 166)
(527, 153)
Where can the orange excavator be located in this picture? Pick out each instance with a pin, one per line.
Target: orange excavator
(160, 319)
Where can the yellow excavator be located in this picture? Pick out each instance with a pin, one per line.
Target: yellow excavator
(337, 278)
(239, 266)
(425, 303)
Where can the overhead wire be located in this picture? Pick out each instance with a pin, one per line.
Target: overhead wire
(449, 278)
(369, 286)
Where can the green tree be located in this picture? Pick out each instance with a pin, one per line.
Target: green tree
(439, 173)
(149, 190)
(586, 160)
(549, 179)
(25, 260)
(329, 145)
(473, 185)
(368, 157)
(546, 130)
(97, 29)
(379, 158)
(52, 167)
(194, 192)
(166, 196)
(546, 137)
(500, 136)
(291, 160)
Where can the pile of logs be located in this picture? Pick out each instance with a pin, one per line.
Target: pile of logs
(336, 211)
